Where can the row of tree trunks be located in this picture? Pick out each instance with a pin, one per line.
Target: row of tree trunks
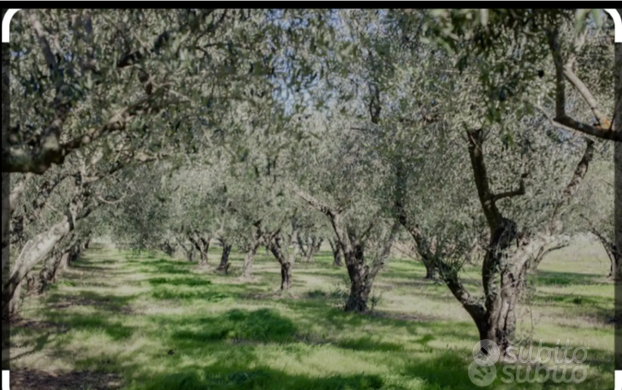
(35, 251)
(309, 247)
(38, 248)
(59, 262)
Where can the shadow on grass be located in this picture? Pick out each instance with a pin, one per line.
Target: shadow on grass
(368, 344)
(36, 380)
(221, 377)
(551, 278)
(114, 329)
(191, 282)
(107, 302)
(573, 300)
(233, 339)
(261, 326)
(175, 294)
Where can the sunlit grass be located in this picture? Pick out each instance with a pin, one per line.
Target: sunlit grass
(163, 324)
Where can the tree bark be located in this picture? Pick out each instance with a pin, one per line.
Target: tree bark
(39, 247)
(313, 248)
(14, 302)
(188, 249)
(286, 266)
(617, 267)
(249, 260)
(425, 249)
(337, 252)
(430, 271)
(57, 262)
(301, 246)
(249, 257)
(359, 284)
(168, 248)
(618, 159)
(202, 245)
(52, 268)
(6, 187)
(33, 252)
(224, 257)
(361, 276)
(504, 271)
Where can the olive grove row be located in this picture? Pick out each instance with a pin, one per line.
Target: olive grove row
(473, 136)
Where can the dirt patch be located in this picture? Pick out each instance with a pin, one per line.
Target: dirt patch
(40, 380)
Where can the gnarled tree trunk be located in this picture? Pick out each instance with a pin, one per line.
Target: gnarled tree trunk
(337, 252)
(201, 244)
(504, 270)
(167, 248)
(430, 271)
(188, 249)
(286, 265)
(361, 275)
(224, 257)
(57, 261)
(35, 250)
(618, 160)
(360, 284)
(274, 242)
(313, 247)
(249, 257)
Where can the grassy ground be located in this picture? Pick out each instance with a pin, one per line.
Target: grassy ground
(147, 322)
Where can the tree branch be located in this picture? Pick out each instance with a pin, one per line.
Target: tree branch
(486, 197)
(50, 152)
(579, 173)
(603, 129)
(509, 194)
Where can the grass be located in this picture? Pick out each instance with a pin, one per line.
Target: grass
(145, 322)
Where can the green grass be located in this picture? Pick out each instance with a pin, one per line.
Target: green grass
(160, 323)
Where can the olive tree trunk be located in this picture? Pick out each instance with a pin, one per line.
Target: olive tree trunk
(201, 244)
(313, 247)
(509, 254)
(249, 257)
(337, 252)
(360, 283)
(35, 250)
(286, 265)
(618, 161)
(224, 257)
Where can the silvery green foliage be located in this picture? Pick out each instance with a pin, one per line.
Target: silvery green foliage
(239, 107)
(79, 75)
